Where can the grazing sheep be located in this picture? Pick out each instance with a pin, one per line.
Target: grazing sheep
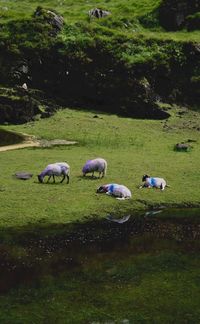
(55, 169)
(113, 189)
(150, 182)
(98, 165)
(98, 13)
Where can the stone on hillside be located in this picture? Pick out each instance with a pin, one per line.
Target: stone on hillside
(182, 147)
(54, 19)
(23, 175)
(98, 13)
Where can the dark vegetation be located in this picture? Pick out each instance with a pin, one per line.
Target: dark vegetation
(101, 64)
(102, 234)
(178, 14)
(99, 271)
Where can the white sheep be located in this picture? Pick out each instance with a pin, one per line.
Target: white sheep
(113, 189)
(98, 165)
(150, 182)
(55, 169)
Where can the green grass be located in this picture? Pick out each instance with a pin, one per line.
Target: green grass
(77, 10)
(131, 147)
(152, 287)
(126, 16)
(154, 281)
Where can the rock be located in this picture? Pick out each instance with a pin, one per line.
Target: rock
(98, 13)
(23, 175)
(17, 105)
(51, 17)
(182, 147)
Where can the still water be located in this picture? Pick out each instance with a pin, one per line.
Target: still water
(9, 138)
(105, 271)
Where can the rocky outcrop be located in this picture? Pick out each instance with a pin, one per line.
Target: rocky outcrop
(19, 106)
(17, 110)
(51, 17)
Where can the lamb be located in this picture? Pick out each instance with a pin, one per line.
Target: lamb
(98, 165)
(55, 169)
(150, 182)
(121, 192)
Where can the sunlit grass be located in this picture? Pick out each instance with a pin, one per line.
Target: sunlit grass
(125, 15)
(131, 147)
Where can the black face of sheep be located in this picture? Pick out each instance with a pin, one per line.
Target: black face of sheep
(101, 189)
(145, 177)
(40, 179)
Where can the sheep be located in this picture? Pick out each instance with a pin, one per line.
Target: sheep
(98, 165)
(150, 182)
(55, 169)
(113, 189)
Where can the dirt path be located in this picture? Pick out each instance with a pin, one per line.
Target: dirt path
(31, 141)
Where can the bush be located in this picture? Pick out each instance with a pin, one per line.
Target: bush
(173, 13)
(193, 21)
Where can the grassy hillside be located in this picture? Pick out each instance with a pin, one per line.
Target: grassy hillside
(127, 16)
(99, 72)
(74, 11)
(123, 63)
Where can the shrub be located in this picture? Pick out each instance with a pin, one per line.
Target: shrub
(193, 21)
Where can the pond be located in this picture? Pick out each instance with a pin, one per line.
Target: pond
(9, 138)
(143, 268)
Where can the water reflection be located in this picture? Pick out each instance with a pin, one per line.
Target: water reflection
(120, 220)
(9, 138)
(35, 254)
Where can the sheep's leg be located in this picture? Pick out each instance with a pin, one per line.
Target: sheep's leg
(49, 179)
(93, 174)
(67, 178)
(63, 178)
(162, 186)
(144, 185)
(54, 179)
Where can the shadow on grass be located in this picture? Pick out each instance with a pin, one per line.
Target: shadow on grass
(89, 178)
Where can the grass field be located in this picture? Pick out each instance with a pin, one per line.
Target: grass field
(54, 273)
(131, 147)
(153, 287)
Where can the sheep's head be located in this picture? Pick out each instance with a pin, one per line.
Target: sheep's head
(40, 179)
(86, 168)
(145, 177)
(102, 189)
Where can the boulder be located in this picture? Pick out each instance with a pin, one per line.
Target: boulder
(51, 17)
